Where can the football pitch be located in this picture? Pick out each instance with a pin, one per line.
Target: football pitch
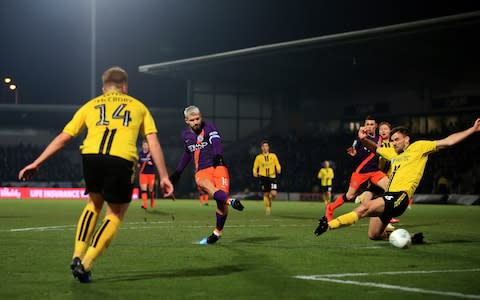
(156, 254)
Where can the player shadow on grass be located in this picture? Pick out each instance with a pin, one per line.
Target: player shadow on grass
(257, 239)
(158, 212)
(198, 272)
(458, 241)
(296, 217)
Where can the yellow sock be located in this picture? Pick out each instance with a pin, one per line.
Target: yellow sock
(85, 227)
(102, 238)
(266, 202)
(343, 220)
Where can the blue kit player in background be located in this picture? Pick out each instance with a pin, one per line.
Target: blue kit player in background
(202, 142)
(146, 175)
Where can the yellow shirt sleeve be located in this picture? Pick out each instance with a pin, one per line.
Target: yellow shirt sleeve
(77, 123)
(255, 165)
(148, 123)
(387, 153)
(277, 164)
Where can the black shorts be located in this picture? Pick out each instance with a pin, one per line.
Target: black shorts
(395, 205)
(110, 176)
(326, 188)
(268, 184)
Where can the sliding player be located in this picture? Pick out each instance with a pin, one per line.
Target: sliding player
(408, 166)
(366, 170)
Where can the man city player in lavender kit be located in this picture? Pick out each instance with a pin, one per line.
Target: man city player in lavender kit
(202, 143)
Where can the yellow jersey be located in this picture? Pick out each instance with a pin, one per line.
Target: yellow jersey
(267, 165)
(113, 122)
(408, 166)
(325, 175)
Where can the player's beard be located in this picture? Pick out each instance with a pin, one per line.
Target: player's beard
(197, 128)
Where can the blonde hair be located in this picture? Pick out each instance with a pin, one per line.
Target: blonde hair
(192, 109)
(115, 76)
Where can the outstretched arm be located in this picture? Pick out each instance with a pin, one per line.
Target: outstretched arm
(458, 136)
(362, 135)
(55, 145)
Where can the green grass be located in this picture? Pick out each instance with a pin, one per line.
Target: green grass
(154, 256)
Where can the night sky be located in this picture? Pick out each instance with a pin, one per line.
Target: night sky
(46, 44)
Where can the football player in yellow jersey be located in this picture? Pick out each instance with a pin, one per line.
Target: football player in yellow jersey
(408, 166)
(384, 130)
(109, 153)
(326, 175)
(267, 167)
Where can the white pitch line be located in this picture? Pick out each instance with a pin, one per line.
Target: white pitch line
(328, 278)
(168, 224)
(400, 272)
(44, 228)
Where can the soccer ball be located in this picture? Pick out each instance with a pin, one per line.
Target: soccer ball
(400, 238)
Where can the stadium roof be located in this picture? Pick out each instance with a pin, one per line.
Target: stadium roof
(432, 45)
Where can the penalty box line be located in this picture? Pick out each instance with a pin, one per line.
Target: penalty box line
(332, 278)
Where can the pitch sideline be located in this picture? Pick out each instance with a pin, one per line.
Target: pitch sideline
(331, 278)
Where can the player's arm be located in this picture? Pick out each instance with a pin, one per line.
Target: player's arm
(352, 151)
(214, 138)
(159, 160)
(458, 136)
(184, 161)
(278, 167)
(370, 145)
(256, 164)
(55, 145)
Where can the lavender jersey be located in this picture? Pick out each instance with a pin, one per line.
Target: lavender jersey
(201, 147)
(146, 163)
(368, 161)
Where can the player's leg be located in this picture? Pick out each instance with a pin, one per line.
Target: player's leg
(105, 233)
(117, 186)
(327, 195)
(151, 190)
(365, 196)
(266, 203)
(143, 190)
(356, 180)
(371, 208)
(382, 181)
(205, 180)
(272, 194)
(204, 198)
(339, 201)
(86, 225)
(377, 229)
(265, 187)
(93, 173)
